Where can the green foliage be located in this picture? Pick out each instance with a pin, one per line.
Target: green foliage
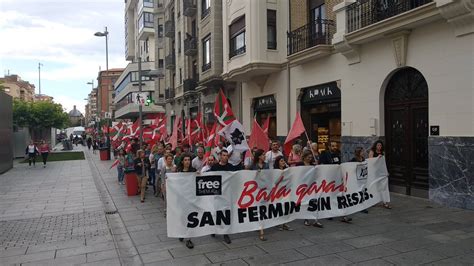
(39, 115)
(2, 88)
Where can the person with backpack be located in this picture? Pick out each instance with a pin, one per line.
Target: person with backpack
(31, 150)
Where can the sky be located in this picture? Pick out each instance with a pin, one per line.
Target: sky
(59, 34)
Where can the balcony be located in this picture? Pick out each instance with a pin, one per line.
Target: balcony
(189, 8)
(145, 25)
(169, 29)
(170, 62)
(189, 85)
(169, 94)
(190, 46)
(312, 34)
(367, 12)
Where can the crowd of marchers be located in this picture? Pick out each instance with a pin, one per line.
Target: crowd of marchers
(151, 163)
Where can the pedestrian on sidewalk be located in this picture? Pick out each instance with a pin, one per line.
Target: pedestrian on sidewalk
(89, 142)
(168, 167)
(120, 166)
(185, 167)
(44, 150)
(95, 146)
(142, 164)
(31, 150)
(377, 151)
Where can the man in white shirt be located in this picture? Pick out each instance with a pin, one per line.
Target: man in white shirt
(198, 162)
(272, 154)
(235, 157)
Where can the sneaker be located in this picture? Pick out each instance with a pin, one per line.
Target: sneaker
(227, 239)
(318, 224)
(189, 244)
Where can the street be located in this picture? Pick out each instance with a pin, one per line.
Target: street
(75, 212)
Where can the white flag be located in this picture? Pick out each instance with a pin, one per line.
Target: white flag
(234, 133)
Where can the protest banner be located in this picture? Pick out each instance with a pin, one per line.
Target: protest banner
(242, 201)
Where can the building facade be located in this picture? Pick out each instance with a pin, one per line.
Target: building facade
(105, 91)
(141, 23)
(193, 45)
(43, 98)
(17, 88)
(91, 107)
(359, 71)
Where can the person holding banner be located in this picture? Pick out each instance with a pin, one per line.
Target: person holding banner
(377, 150)
(186, 167)
(331, 155)
(272, 154)
(295, 155)
(142, 164)
(168, 167)
(281, 164)
(358, 158)
(308, 160)
(211, 160)
(259, 160)
(224, 165)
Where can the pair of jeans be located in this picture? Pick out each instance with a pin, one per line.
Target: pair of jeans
(121, 173)
(45, 157)
(32, 158)
(152, 178)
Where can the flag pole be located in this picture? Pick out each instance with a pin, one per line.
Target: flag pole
(310, 148)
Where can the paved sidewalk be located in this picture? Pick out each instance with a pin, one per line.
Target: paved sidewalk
(53, 215)
(414, 232)
(57, 215)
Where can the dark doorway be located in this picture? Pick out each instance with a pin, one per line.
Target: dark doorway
(406, 130)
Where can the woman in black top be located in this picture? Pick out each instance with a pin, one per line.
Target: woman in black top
(142, 166)
(378, 150)
(185, 167)
(358, 155)
(280, 163)
(259, 160)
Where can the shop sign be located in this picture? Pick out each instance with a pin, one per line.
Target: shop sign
(264, 103)
(321, 93)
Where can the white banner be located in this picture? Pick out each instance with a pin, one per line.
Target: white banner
(234, 202)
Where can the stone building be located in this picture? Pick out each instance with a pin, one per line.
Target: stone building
(17, 88)
(358, 71)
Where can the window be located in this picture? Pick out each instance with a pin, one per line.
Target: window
(237, 37)
(160, 63)
(271, 29)
(206, 53)
(148, 3)
(160, 30)
(179, 42)
(206, 8)
(180, 76)
(146, 45)
(145, 21)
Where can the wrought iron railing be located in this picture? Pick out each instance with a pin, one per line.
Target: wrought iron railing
(169, 93)
(189, 85)
(170, 61)
(235, 52)
(314, 33)
(205, 12)
(190, 46)
(366, 12)
(189, 8)
(169, 29)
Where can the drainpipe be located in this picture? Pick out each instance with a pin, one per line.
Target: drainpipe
(289, 94)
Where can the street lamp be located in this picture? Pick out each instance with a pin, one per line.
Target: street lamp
(105, 34)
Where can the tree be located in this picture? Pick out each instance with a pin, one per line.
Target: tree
(39, 115)
(2, 88)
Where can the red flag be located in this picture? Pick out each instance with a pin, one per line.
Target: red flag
(222, 109)
(266, 125)
(296, 130)
(258, 138)
(174, 136)
(114, 164)
(210, 142)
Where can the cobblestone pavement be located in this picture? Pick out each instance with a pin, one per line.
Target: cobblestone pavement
(56, 216)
